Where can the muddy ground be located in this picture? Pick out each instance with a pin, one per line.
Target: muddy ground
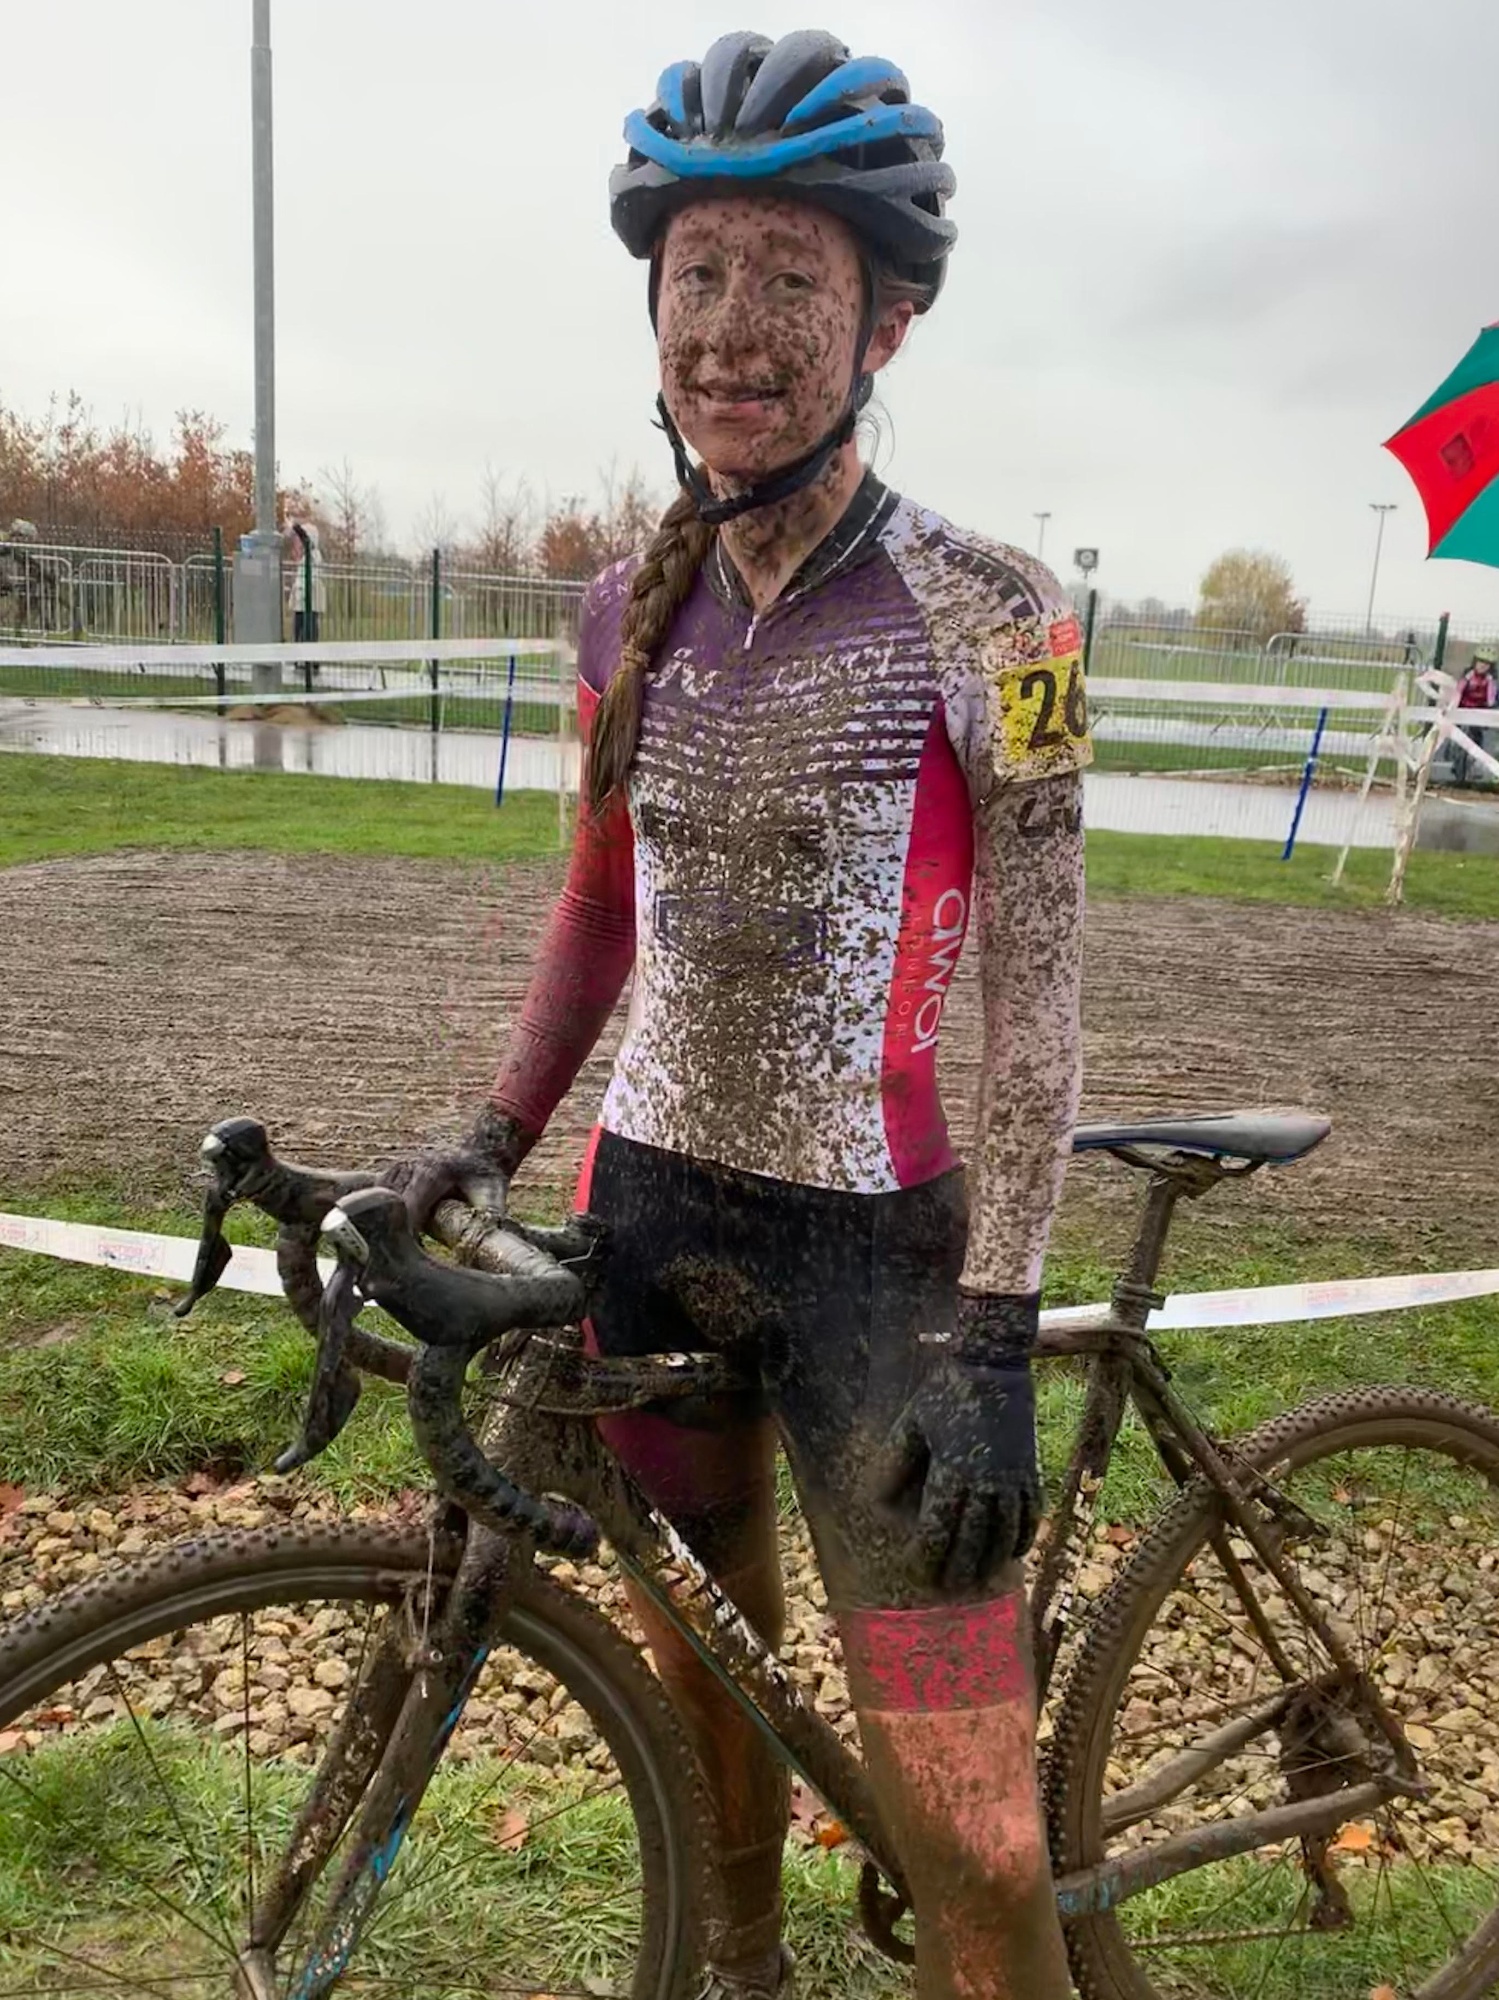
(356, 1005)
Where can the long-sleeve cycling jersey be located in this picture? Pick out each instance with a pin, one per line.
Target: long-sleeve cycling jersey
(821, 796)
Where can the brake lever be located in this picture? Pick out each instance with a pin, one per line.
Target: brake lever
(336, 1386)
(238, 1154)
(456, 1314)
(213, 1256)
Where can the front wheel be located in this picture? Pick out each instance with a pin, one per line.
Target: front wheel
(1185, 1710)
(160, 1732)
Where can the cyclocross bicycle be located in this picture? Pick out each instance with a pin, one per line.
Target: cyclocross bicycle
(423, 1761)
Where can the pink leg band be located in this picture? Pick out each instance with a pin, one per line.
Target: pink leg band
(944, 1656)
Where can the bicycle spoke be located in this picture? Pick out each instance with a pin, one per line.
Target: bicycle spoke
(1274, 1956)
(244, 1653)
(128, 1874)
(107, 1981)
(1385, 1876)
(1463, 1860)
(171, 1805)
(437, 1871)
(1245, 1883)
(1394, 1537)
(1368, 1635)
(1441, 1908)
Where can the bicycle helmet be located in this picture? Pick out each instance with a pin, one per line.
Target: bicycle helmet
(800, 117)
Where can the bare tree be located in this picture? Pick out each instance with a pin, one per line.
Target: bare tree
(437, 527)
(629, 516)
(505, 543)
(353, 512)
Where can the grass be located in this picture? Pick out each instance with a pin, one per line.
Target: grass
(100, 1386)
(1251, 871)
(58, 806)
(458, 1899)
(555, 1907)
(1171, 656)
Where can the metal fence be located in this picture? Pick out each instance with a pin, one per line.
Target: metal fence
(90, 596)
(1270, 738)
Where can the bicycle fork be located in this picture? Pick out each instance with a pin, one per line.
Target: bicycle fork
(392, 1737)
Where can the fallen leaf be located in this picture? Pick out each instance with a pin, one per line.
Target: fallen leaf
(832, 1833)
(10, 1498)
(1356, 1838)
(11, 1739)
(48, 1718)
(1383, 1993)
(509, 1831)
(233, 1377)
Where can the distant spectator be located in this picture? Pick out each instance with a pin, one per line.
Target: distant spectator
(301, 543)
(1478, 688)
(25, 579)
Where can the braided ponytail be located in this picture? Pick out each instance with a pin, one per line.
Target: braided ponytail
(658, 590)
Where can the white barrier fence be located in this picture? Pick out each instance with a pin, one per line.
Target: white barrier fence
(1234, 758)
(140, 1254)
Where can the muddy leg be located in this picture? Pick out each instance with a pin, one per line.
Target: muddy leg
(734, 1535)
(947, 1712)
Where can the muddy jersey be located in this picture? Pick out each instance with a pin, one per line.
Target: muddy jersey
(793, 871)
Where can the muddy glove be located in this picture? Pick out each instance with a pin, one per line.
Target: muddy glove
(959, 1464)
(476, 1168)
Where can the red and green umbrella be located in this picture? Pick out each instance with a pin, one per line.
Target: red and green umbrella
(1450, 448)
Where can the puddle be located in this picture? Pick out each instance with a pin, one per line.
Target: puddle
(1116, 802)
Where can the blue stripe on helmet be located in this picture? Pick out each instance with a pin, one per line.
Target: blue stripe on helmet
(864, 76)
(707, 159)
(670, 93)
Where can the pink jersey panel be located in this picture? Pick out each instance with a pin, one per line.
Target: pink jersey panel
(933, 921)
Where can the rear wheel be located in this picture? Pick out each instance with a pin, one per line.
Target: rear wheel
(1399, 1901)
(160, 1731)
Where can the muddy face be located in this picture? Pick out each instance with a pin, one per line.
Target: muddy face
(761, 306)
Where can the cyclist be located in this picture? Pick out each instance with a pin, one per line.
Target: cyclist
(822, 723)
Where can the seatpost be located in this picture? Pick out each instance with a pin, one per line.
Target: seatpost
(1191, 1174)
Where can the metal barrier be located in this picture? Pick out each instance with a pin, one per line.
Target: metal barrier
(90, 596)
(36, 591)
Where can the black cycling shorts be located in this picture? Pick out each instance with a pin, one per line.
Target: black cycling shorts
(821, 1295)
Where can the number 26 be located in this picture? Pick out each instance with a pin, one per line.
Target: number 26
(1045, 736)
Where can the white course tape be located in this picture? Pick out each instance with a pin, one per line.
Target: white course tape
(1332, 1298)
(142, 1255)
(254, 1270)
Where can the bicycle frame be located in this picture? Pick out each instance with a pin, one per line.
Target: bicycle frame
(412, 1692)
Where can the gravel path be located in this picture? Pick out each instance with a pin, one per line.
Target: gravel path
(357, 1005)
(1418, 1588)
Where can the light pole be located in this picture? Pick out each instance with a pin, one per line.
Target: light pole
(1043, 518)
(257, 565)
(1381, 508)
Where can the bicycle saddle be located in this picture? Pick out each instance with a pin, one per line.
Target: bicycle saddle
(1269, 1138)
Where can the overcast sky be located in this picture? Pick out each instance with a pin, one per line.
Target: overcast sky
(1210, 256)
